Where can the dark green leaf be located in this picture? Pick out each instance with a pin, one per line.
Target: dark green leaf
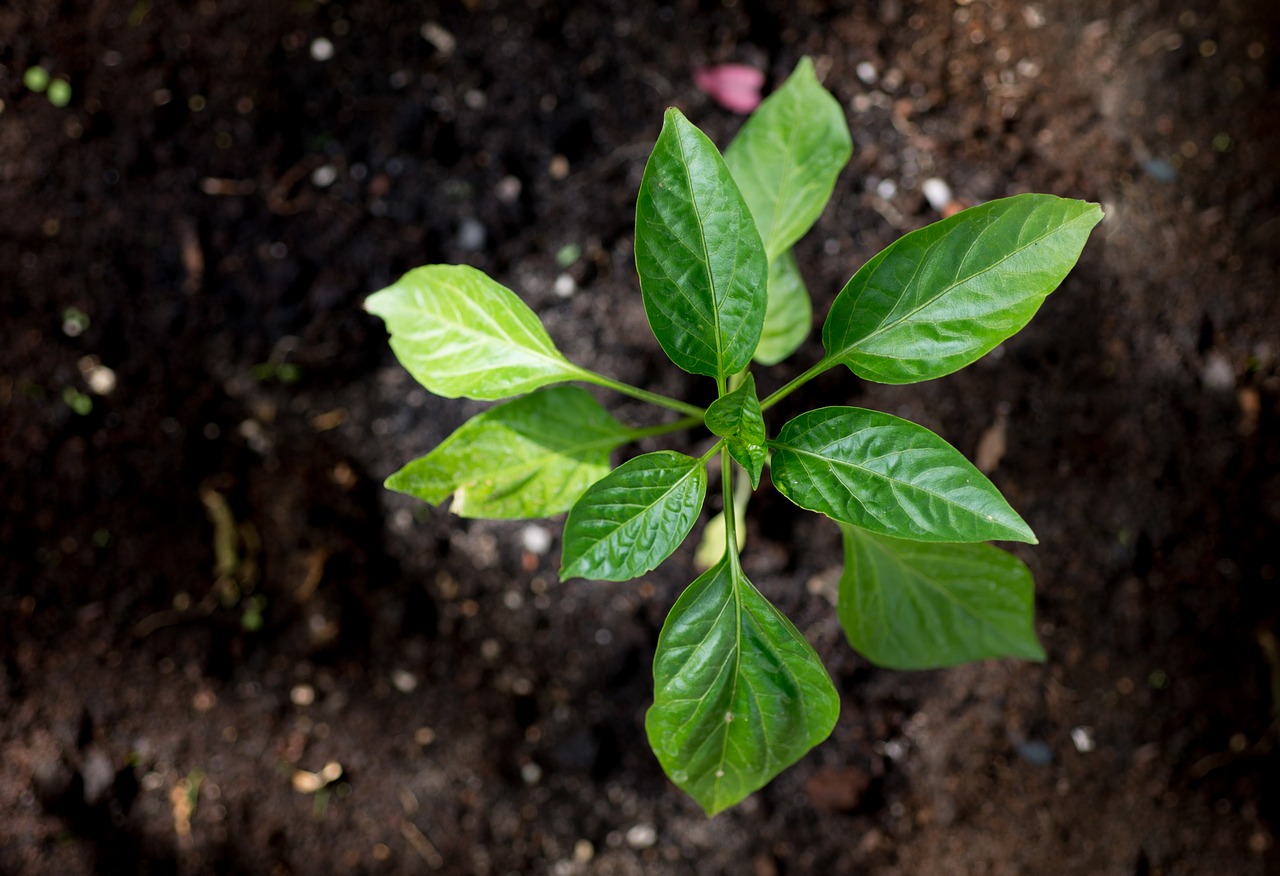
(890, 476)
(790, 313)
(941, 297)
(736, 417)
(532, 457)
(787, 156)
(702, 267)
(739, 695)
(913, 605)
(459, 333)
(632, 519)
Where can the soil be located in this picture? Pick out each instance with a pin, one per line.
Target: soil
(206, 596)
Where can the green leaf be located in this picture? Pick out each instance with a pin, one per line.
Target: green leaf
(736, 416)
(739, 695)
(790, 312)
(912, 605)
(702, 266)
(532, 457)
(634, 517)
(890, 476)
(459, 333)
(787, 156)
(942, 297)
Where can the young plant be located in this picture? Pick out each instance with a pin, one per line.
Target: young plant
(739, 694)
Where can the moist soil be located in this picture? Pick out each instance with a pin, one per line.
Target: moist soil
(207, 600)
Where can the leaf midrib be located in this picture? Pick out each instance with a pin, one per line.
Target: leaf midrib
(834, 463)
(889, 326)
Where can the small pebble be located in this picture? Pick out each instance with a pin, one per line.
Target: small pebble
(565, 286)
(321, 49)
(1082, 739)
(302, 695)
(323, 176)
(1217, 373)
(937, 193)
(1036, 752)
(472, 235)
(403, 680)
(867, 73)
(535, 539)
(642, 836)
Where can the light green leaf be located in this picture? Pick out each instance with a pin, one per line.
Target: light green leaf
(942, 297)
(459, 333)
(790, 313)
(702, 266)
(532, 457)
(890, 476)
(912, 605)
(787, 156)
(634, 518)
(736, 417)
(739, 695)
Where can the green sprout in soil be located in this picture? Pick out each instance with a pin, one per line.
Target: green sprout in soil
(739, 693)
(37, 80)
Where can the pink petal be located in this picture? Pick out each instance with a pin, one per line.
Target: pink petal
(735, 87)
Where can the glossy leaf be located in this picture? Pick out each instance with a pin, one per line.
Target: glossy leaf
(633, 518)
(914, 605)
(789, 316)
(532, 457)
(739, 695)
(459, 333)
(701, 263)
(941, 297)
(736, 417)
(787, 156)
(890, 476)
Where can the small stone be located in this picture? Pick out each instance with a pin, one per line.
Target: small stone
(323, 176)
(403, 680)
(1082, 739)
(867, 73)
(321, 49)
(1217, 373)
(535, 539)
(1035, 752)
(937, 193)
(302, 695)
(98, 775)
(642, 836)
(565, 286)
(472, 235)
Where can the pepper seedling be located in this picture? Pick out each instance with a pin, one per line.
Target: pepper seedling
(739, 693)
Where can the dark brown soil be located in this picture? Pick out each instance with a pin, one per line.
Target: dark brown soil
(219, 197)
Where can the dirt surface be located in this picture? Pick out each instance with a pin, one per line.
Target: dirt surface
(206, 597)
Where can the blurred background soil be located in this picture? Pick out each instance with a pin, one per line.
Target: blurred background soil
(225, 649)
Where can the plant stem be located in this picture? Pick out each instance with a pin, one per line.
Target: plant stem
(665, 428)
(730, 510)
(652, 398)
(792, 386)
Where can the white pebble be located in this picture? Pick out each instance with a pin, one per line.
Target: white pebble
(867, 72)
(1082, 738)
(321, 49)
(937, 193)
(886, 188)
(535, 539)
(641, 836)
(403, 680)
(565, 286)
(323, 176)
